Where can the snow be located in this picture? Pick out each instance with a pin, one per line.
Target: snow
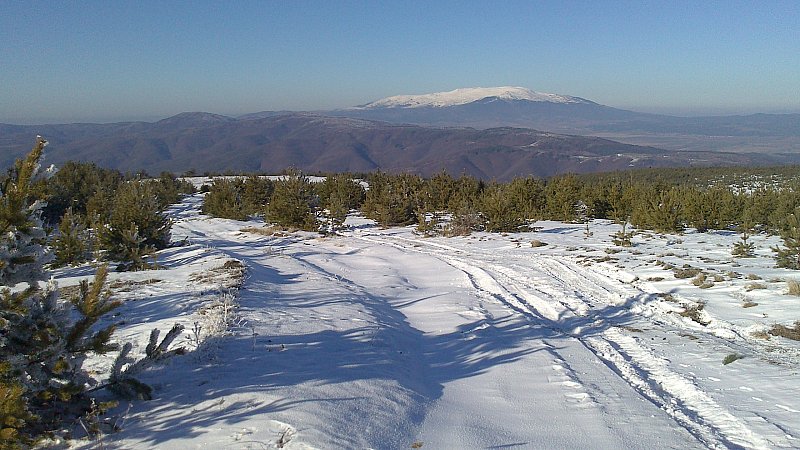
(469, 95)
(380, 338)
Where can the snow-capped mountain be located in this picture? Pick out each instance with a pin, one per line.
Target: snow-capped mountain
(469, 95)
(485, 107)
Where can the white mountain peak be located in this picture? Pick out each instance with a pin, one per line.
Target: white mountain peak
(469, 95)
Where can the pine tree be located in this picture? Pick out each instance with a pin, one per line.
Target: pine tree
(393, 199)
(169, 189)
(22, 252)
(44, 340)
(744, 248)
(73, 184)
(789, 256)
(256, 194)
(293, 203)
(561, 194)
(41, 347)
(658, 210)
(339, 194)
(136, 227)
(224, 200)
(70, 246)
(623, 238)
(500, 211)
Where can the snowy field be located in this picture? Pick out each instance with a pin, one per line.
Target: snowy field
(383, 339)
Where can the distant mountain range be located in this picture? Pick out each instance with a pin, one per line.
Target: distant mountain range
(521, 107)
(486, 132)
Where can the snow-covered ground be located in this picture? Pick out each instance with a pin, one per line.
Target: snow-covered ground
(380, 338)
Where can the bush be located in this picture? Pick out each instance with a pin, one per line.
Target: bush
(464, 221)
(687, 272)
(731, 358)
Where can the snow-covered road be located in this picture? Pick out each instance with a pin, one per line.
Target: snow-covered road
(383, 339)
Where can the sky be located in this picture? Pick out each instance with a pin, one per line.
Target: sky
(106, 61)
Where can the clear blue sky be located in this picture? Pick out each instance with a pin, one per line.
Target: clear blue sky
(120, 60)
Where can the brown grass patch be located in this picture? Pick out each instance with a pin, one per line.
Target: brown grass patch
(761, 335)
(688, 272)
(69, 292)
(693, 312)
(793, 287)
(792, 333)
(754, 286)
(128, 285)
(229, 275)
(272, 230)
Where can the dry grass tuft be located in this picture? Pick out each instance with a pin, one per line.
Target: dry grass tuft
(753, 286)
(688, 272)
(792, 333)
(230, 275)
(69, 292)
(128, 285)
(695, 313)
(793, 287)
(761, 335)
(272, 230)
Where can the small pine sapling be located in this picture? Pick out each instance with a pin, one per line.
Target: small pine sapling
(428, 224)
(744, 248)
(69, 247)
(122, 381)
(623, 238)
(789, 256)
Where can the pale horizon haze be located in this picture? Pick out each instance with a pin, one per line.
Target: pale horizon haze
(107, 61)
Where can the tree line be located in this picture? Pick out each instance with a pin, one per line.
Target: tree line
(405, 199)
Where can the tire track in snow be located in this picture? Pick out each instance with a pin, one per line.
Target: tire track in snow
(714, 425)
(580, 291)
